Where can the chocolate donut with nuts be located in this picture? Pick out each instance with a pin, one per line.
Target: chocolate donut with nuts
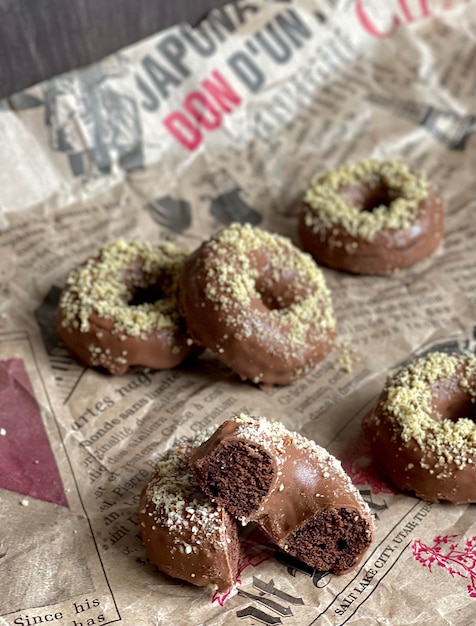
(259, 303)
(422, 430)
(119, 309)
(371, 217)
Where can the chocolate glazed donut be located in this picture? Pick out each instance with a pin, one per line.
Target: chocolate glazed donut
(260, 304)
(119, 309)
(294, 489)
(370, 218)
(422, 430)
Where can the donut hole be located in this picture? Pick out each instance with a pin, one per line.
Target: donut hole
(376, 198)
(457, 407)
(146, 295)
(274, 282)
(368, 198)
(275, 296)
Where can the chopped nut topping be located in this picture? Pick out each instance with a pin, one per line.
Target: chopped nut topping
(105, 285)
(326, 205)
(177, 503)
(248, 269)
(410, 404)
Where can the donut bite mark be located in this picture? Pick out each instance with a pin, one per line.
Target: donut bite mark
(371, 217)
(259, 303)
(292, 488)
(119, 309)
(423, 432)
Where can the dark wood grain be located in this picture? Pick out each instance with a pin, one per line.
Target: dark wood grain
(43, 38)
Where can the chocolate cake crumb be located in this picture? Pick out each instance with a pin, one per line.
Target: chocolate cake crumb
(333, 539)
(240, 473)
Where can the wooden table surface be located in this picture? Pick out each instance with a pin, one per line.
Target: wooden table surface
(43, 38)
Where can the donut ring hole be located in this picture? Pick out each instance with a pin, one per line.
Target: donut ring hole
(275, 286)
(274, 295)
(368, 198)
(458, 408)
(149, 294)
(452, 402)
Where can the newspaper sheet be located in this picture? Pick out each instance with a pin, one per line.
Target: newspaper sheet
(169, 140)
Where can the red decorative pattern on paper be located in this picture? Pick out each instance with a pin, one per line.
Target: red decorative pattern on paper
(446, 553)
(27, 464)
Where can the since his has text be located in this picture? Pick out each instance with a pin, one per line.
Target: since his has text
(83, 612)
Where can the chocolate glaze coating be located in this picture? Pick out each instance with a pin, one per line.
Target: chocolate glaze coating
(117, 353)
(260, 304)
(437, 463)
(295, 490)
(184, 534)
(388, 249)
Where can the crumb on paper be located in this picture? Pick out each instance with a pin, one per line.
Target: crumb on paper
(25, 502)
(347, 356)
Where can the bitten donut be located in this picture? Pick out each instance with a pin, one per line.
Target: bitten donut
(259, 303)
(119, 308)
(294, 489)
(184, 534)
(372, 217)
(422, 430)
